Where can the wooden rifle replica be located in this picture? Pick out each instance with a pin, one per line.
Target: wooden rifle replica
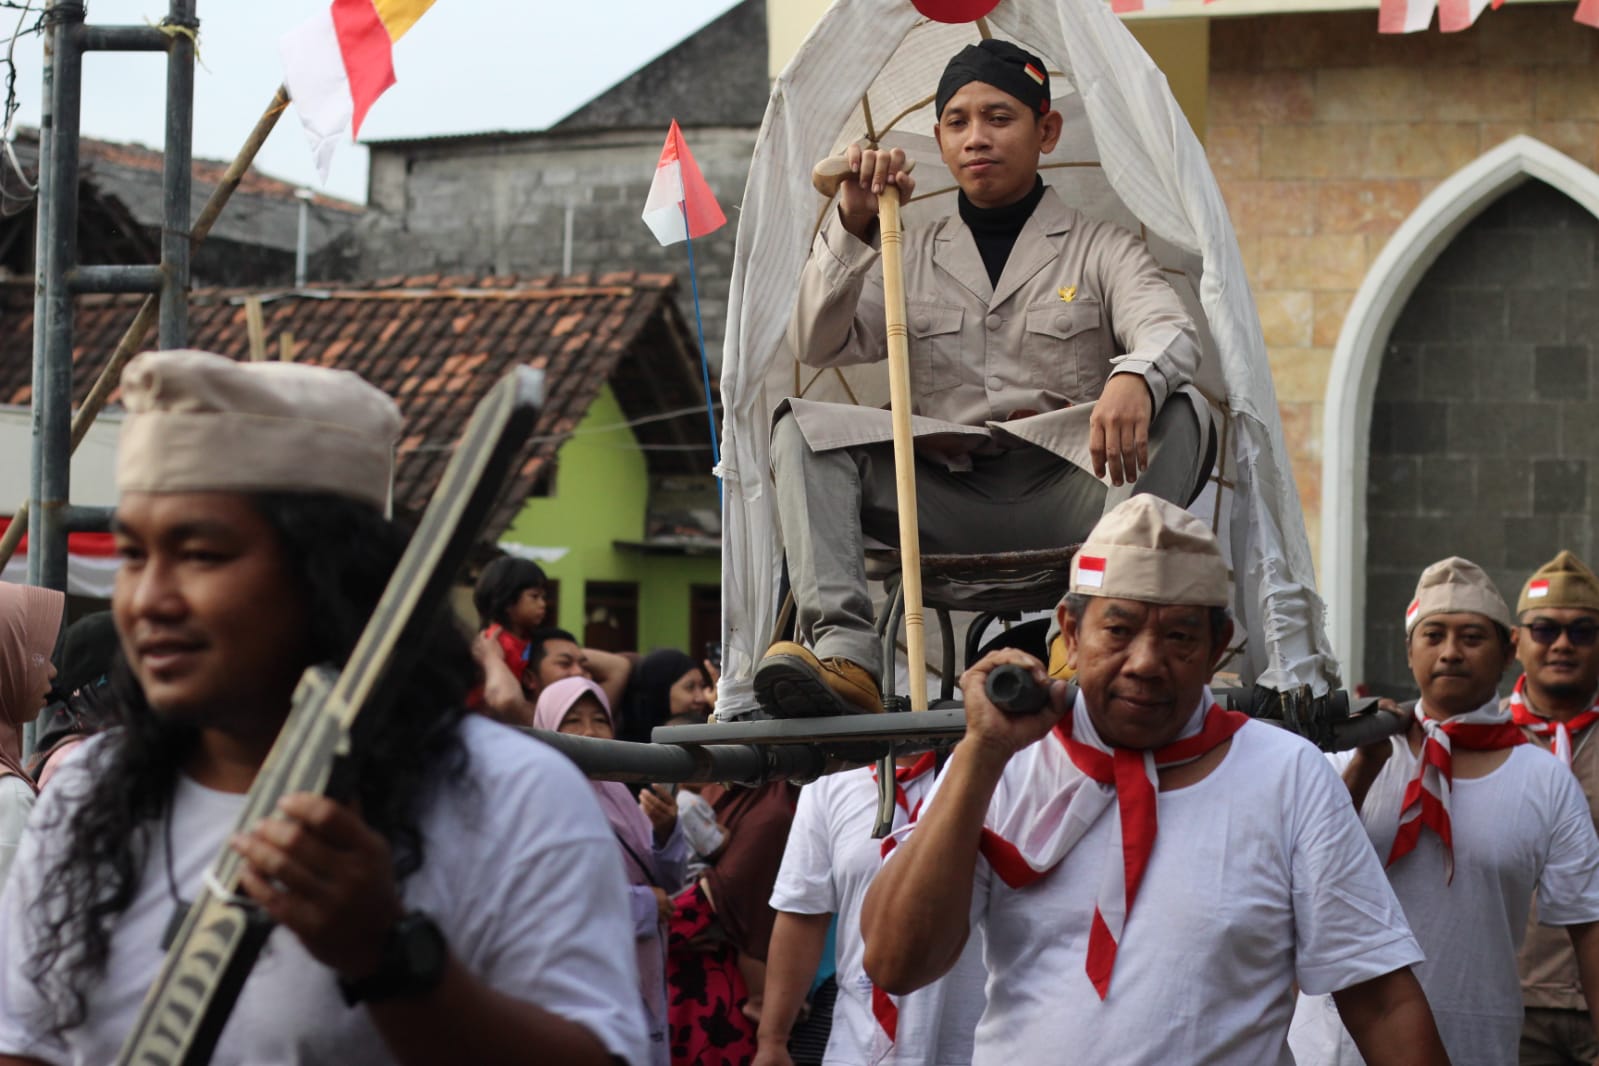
(317, 750)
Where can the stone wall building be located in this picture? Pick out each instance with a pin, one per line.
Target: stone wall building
(568, 199)
(1417, 217)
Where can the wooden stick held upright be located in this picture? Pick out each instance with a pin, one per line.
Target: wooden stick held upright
(826, 178)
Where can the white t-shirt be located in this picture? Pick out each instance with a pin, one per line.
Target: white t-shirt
(828, 865)
(1524, 826)
(16, 802)
(1260, 876)
(520, 871)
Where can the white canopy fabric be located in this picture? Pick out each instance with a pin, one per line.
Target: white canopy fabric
(867, 72)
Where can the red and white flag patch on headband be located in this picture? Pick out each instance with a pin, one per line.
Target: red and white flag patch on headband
(1091, 571)
(1034, 73)
(1538, 589)
(1412, 611)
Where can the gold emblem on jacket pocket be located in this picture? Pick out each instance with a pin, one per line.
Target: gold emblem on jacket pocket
(1068, 294)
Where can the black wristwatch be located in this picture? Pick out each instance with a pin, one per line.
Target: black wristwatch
(414, 957)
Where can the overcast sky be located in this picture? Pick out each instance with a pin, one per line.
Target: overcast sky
(468, 65)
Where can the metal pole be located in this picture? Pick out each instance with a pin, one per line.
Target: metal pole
(177, 174)
(303, 238)
(52, 382)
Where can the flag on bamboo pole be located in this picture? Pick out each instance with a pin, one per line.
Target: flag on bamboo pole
(338, 62)
(678, 191)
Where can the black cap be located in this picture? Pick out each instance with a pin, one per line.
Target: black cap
(1001, 64)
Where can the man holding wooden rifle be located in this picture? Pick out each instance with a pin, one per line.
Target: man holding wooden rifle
(466, 906)
(1050, 366)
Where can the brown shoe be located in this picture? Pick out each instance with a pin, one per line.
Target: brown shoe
(791, 682)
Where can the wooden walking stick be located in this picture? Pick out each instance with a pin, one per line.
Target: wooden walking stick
(826, 177)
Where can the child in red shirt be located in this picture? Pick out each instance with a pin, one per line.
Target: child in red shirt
(509, 598)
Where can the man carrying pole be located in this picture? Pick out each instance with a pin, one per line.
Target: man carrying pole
(1046, 358)
(1152, 874)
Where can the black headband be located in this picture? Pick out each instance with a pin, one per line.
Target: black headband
(1001, 64)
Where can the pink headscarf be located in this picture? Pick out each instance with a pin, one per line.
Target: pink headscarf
(30, 619)
(620, 808)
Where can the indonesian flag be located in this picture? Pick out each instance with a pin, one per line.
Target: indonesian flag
(92, 563)
(1090, 571)
(1127, 7)
(338, 62)
(1410, 16)
(679, 190)
(1537, 590)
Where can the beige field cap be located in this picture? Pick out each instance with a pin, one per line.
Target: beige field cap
(199, 422)
(1561, 582)
(1455, 585)
(1148, 549)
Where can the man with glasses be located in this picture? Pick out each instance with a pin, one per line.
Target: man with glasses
(1557, 623)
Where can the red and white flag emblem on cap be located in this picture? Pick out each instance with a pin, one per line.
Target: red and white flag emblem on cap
(1091, 571)
(1537, 590)
(1412, 611)
(1034, 73)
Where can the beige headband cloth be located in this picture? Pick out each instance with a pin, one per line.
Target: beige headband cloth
(1453, 586)
(199, 422)
(1148, 549)
(1561, 582)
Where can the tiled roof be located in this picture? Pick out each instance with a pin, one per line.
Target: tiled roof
(263, 211)
(436, 344)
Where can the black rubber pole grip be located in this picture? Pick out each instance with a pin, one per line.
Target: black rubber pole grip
(1013, 690)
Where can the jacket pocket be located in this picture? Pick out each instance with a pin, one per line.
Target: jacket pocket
(1064, 349)
(935, 345)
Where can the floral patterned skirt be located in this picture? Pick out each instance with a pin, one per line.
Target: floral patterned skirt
(705, 990)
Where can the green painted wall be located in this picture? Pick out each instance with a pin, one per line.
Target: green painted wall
(601, 493)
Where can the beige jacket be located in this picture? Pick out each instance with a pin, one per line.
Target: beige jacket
(1079, 300)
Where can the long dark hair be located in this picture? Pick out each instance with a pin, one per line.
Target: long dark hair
(500, 586)
(342, 552)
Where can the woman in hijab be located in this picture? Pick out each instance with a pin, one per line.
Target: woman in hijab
(666, 683)
(30, 619)
(653, 855)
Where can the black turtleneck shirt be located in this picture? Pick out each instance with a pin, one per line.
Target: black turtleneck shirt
(996, 228)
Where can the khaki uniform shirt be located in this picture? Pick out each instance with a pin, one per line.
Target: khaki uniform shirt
(1078, 301)
(1547, 962)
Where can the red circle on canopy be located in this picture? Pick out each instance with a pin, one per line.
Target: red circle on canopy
(955, 10)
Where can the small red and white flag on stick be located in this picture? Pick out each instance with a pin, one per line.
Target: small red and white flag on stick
(679, 190)
(338, 62)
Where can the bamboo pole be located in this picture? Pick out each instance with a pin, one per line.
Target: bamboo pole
(255, 328)
(826, 178)
(145, 320)
(899, 404)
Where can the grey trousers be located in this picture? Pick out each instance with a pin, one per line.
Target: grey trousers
(1026, 499)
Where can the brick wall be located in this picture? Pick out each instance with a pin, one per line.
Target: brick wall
(498, 205)
(1325, 136)
(1484, 428)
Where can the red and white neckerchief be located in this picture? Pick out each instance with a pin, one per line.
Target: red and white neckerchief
(1068, 786)
(1522, 714)
(1426, 803)
(883, 1007)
